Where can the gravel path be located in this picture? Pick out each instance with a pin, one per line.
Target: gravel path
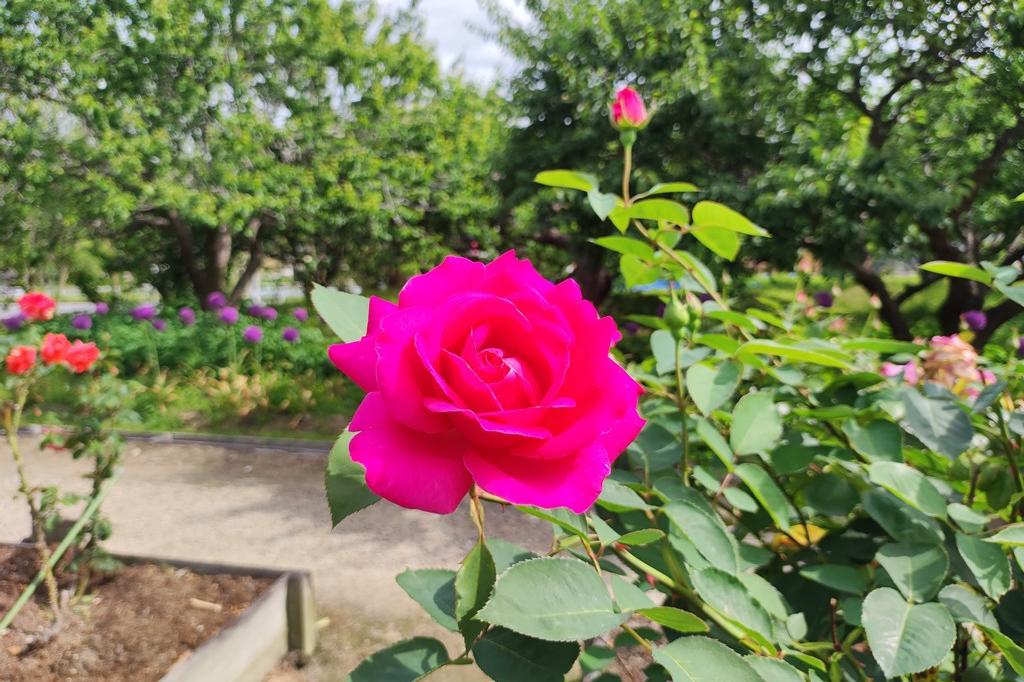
(267, 508)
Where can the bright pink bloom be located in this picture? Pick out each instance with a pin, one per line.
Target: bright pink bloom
(911, 373)
(37, 306)
(81, 356)
(891, 369)
(20, 359)
(628, 110)
(54, 348)
(488, 374)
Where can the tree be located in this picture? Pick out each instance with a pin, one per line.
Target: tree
(214, 136)
(867, 132)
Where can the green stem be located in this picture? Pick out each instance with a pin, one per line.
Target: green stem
(47, 568)
(681, 395)
(627, 170)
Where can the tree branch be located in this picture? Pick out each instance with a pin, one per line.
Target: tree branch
(988, 166)
(890, 311)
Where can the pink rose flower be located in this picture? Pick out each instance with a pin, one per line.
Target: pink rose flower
(628, 110)
(891, 369)
(488, 374)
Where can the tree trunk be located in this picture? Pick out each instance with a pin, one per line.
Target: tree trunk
(890, 310)
(997, 316)
(962, 296)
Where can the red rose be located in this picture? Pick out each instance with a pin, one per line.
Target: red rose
(21, 359)
(37, 306)
(54, 347)
(81, 356)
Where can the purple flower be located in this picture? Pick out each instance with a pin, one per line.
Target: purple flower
(824, 299)
(216, 301)
(15, 322)
(290, 334)
(188, 316)
(82, 322)
(254, 310)
(269, 313)
(632, 328)
(146, 311)
(252, 334)
(301, 314)
(229, 314)
(101, 308)
(159, 325)
(704, 297)
(1020, 347)
(975, 320)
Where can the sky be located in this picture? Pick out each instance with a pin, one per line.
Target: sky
(450, 27)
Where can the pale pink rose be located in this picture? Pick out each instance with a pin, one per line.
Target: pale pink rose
(911, 374)
(488, 374)
(987, 377)
(891, 369)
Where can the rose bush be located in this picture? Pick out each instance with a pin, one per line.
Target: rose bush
(488, 374)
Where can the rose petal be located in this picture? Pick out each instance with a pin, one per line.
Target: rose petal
(507, 275)
(401, 376)
(574, 481)
(454, 275)
(404, 467)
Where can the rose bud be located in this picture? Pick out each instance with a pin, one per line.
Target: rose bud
(628, 110)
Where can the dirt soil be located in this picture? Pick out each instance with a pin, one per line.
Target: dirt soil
(132, 627)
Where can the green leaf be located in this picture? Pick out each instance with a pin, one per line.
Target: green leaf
(756, 424)
(505, 554)
(877, 440)
(709, 386)
(671, 188)
(842, 578)
(729, 596)
(901, 521)
(1014, 293)
(881, 345)
(570, 522)
(767, 317)
(938, 423)
(345, 482)
(676, 619)
(702, 659)
(966, 605)
(346, 314)
(715, 442)
(722, 242)
(740, 500)
(906, 638)
(662, 210)
(699, 271)
(988, 564)
(719, 342)
(626, 246)
(1013, 654)
(917, 570)
(434, 590)
(714, 214)
(960, 270)
(566, 179)
(910, 485)
(473, 585)
(734, 318)
(552, 599)
(706, 532)
(606, 535)
(406, 661)
(618, 498)
(601, 203)
(507, 656)
(773, 670)
(767, 492)
(831, 494)
(1011, 535)
(967, 518)
(801, 354)
(628, 595)
(644, 536)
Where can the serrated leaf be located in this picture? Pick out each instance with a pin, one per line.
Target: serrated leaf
(702, 659)
(719, 241)
(644, 536)
(706, 532)
(618, 497)
(967, 518)
(1011, 535)
(507, 656)
(878, 440)
(345, 482)
(434, 590)
(405, 661)
(988, 564)
(767, 492)
(675, 619)
(1013, 653)
(729, 596)
(910, 485)
(773, 670)
(552, 599)
(842, 578)
(473, 585)
(715, 442)
(714, 214)
(939, 424)
(917, 570)
(756, 425)
(709, 386)
(661, 210)
(906, 638)
(901, 521)
(346, 314)
(966, 605)
(802, 354)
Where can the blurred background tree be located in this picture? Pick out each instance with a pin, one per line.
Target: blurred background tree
(870, 133)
